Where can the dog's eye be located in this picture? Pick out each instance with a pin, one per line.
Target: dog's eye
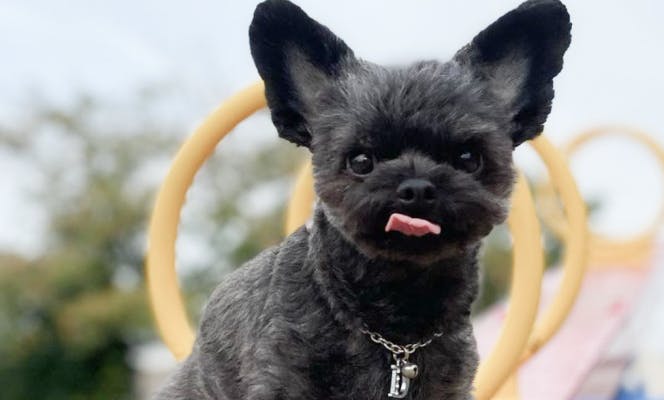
(468, 160)
(360, 164)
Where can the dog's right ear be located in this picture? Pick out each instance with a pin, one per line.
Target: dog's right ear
(295, 56)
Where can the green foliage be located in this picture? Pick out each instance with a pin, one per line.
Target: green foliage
(68, 326)
(69, 316)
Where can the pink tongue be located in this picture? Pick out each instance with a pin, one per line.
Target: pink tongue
(411, 226)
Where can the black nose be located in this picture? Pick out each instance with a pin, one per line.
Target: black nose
(416, 191)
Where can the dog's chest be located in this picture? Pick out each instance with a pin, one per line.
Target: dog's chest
(366, 371)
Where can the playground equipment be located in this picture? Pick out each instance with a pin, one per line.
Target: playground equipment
(604, 250)
(522, 333)
(162, 280)
(617, 287)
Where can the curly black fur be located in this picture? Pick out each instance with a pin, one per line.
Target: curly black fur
(287, 324)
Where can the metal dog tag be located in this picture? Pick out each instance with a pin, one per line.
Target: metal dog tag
(402, 372)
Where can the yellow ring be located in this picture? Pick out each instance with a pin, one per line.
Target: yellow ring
(163, 288)
(575, 243)
(575, 260)
(527, 270)
(604, 250)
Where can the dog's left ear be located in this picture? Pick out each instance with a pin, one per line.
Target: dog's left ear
(296, 56)
(517, 57)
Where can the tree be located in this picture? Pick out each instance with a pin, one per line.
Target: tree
(69, 316)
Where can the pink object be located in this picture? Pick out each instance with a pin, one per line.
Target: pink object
(411, 226)
(557, 371)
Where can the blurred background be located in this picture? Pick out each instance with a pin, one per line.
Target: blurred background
(96, 96)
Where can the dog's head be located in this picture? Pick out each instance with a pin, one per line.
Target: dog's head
(411, 163)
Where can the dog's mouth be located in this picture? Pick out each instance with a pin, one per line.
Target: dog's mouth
(410, 226)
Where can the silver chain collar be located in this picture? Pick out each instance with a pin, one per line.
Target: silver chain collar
(402, 372)
(399, 351)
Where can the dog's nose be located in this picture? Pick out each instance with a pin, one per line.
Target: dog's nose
(416, 191)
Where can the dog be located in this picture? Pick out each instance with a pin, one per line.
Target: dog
(413, 168)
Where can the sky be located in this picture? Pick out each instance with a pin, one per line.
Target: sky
(57, 50)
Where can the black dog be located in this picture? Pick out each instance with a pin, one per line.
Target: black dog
(413, 167)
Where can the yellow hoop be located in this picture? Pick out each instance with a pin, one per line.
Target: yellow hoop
(575, 243)
(574, 263)
(604, 250)
(163, 288)
(525, 286)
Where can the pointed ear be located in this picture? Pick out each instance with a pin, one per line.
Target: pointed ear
(295, 56)
(518, 56)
